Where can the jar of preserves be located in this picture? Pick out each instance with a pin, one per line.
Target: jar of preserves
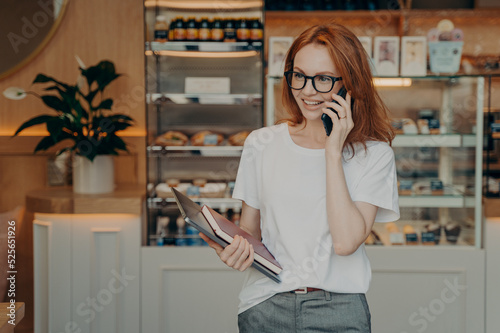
(204, 30)
(229, 30)
(191, 29)
(161, 29)
(256, 31)
(217, 31)
(179, 29)
(243, 30)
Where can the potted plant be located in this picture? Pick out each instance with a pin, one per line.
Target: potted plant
(83, 117)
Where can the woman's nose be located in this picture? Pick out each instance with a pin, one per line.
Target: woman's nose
(309, 88)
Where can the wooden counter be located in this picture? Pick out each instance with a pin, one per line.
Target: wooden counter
(491, 207)
(5, 326)
(127, 199)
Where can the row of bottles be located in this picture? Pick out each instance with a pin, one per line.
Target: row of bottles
(322, 4)
(205, 29)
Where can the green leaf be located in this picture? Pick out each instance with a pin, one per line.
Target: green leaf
(106, 104)
(34, 121)
(56, 103)
(55, 127)
(103, 74)
(119, 126)
(42, 78)
(45, 143)
(90, 96)
(117, 142)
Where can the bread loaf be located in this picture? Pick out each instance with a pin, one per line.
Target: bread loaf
(207, 138)
(172, 138)
(238, 139)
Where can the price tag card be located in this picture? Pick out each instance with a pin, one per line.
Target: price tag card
(207, 85)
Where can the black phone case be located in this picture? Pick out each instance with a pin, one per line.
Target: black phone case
(327, 121)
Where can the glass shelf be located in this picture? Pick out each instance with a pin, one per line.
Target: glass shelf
(155, 47)
(434, 140)
(435, 201)
(206, 99)
(196, 150)
(215, 203)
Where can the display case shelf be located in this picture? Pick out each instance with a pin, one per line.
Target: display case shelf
(205, 99)
(431, 140)
(215, 203)
(155, 48)
(434, 201)
(196, 150)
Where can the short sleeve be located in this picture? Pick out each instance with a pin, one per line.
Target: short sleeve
(378, 183)
(246, 186)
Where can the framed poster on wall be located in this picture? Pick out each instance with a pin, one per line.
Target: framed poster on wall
(278, 48)
(414, 55)
(386, 55)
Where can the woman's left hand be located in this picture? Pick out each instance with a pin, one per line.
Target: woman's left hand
(342, 124)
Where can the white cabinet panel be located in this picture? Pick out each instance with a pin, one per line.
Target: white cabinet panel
(92, 277)
(188, 290)
(427, 290)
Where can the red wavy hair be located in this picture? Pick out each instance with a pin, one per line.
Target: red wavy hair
(369, 113)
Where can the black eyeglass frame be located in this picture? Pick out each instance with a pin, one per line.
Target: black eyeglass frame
(334, 79)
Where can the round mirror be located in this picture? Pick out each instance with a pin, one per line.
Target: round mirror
(26, 26)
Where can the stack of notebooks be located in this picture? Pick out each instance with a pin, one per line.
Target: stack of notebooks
(222, 231)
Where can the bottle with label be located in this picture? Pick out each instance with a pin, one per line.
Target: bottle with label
(229, 31)
(256, 31)
(204, 30)
(171, 29)
(161, 29)
(217, 31)
(243, 30)
(179, 29)
(191, 29)
(308, 5)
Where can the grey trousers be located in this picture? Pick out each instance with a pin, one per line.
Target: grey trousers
(317, 311)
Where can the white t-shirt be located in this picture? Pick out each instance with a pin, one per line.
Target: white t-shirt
(286, 182)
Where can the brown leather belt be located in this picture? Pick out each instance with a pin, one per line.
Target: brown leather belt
(305, 290)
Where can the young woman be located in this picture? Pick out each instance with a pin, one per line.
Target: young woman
(311, 198)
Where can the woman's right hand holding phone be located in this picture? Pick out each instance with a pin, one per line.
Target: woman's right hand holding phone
(238, 255)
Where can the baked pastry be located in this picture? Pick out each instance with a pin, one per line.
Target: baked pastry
(423, 126)
(172, 138)
(410, 235)
(207, 138)
(163, 190)
(373, 239)
(409, 126)
(213, 190)
(238, 139)
(435, 229)
(452, 231)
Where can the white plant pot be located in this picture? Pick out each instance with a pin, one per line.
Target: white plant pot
(93, 177)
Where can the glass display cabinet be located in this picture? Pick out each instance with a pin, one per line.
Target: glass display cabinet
(439, 157)
(204, 82)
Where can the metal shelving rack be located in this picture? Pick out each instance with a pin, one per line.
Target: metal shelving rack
(170, 106)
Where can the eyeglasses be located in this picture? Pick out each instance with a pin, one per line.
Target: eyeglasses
(321, 83)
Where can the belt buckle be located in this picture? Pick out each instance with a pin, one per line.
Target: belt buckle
(301, 290)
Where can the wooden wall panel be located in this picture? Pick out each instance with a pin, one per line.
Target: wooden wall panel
(94, 30)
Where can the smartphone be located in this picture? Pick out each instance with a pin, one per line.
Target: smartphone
(327, 121)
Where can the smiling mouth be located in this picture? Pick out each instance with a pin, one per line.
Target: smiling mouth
(311, 102)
